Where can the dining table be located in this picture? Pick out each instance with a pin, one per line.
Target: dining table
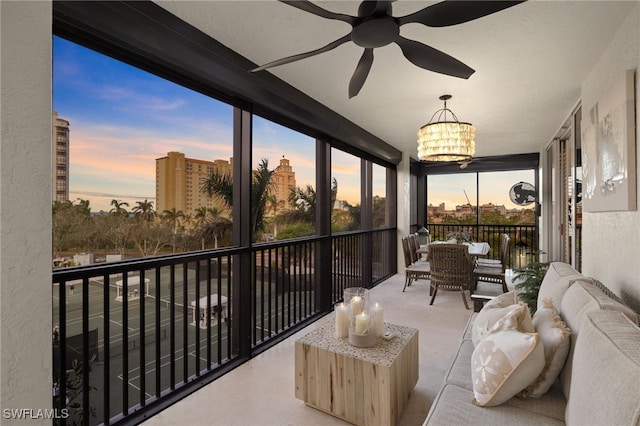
(476, 249)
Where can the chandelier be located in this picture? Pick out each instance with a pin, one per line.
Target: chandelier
(446, 139)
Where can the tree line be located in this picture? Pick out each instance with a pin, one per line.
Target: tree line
(141, 229)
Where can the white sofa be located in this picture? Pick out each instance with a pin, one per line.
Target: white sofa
(599, 383)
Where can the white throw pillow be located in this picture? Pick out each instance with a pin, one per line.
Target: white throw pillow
(503, 364)
(559, 277)
(555, 336)
(501, 313)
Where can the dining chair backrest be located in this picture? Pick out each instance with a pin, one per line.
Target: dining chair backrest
(408, 259)
(450, 264)
(414, 245)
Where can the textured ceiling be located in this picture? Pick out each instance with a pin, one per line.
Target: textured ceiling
(530, 61)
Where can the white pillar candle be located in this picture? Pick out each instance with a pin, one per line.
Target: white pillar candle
(362, 323)
(379, 319)
(357, 305)
(342, 320)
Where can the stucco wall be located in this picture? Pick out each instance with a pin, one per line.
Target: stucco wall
(25, 208)
(611, 241)
(403, 207)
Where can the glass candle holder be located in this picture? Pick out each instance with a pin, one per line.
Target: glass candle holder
(362, 329)
(356, 298)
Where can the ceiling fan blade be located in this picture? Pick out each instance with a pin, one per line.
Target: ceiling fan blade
(307, 6)
(300, 56)
(432, 59)
(455, 12)
(361, 72)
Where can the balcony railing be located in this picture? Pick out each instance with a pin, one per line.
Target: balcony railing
(523, 245)
(133, 337)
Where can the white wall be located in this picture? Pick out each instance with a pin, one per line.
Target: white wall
(25, 208)
(404, 206)
(611, 241)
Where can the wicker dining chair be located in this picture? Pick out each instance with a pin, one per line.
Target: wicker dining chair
(418, 270)
(414, 245)
(494, 273)
(451, 269)
(504, 244)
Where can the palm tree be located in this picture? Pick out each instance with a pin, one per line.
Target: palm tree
(221, 185)
(149, 237)
(201, 214)
(174, 217)
(304, 202)
(118, 208)
(212, 228)
(144, 210)
(260, 195)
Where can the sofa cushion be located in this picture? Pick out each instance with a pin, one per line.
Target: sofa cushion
(555, 283)
(579, 300)
(551, 404)
(451, 408)
(606, 372)
(554, 334)
(587, 297)
(467, 330)
(501, 313)
(503, 364)
(459, 372)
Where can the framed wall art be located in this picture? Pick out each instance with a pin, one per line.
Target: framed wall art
(609, 149)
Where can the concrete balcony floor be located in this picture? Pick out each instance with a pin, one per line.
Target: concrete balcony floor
(261, 392)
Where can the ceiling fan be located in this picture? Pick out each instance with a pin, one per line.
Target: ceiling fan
(375, 26)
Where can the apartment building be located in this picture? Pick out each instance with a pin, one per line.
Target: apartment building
(179, 181)
(60, 158)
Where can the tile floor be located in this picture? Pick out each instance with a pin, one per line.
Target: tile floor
(261, 392)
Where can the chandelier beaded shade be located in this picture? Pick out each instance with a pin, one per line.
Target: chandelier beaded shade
(446, 139)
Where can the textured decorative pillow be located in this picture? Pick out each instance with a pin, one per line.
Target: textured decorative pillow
(554, 334)
(501, 313)
(503, 364)
(559, 277)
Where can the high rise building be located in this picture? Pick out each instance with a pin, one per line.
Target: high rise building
(179, 181)
(283, 181)
(60, 158)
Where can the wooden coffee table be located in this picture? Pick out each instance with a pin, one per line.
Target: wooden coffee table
(364, 386)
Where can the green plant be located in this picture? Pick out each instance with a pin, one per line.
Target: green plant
(528, 281)
(72, 405)
(460, 236)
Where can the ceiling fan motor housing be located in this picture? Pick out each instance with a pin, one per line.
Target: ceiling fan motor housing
(375, 31)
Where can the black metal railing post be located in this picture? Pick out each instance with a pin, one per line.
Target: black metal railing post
(279, 297)
(86, 368)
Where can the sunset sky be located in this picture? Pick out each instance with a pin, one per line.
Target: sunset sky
(122, 119)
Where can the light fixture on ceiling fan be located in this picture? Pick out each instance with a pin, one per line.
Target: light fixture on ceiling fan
(446, 139)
